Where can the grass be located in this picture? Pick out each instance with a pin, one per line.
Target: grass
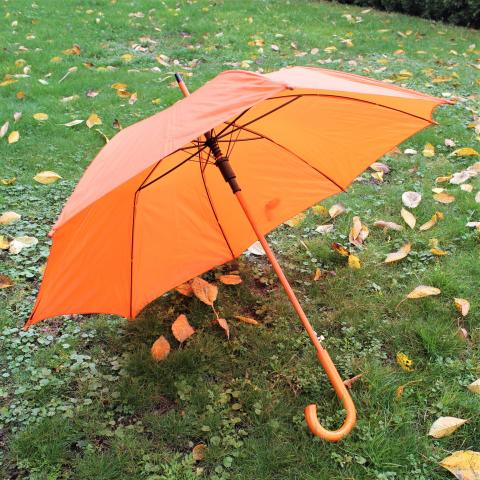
(81, 397)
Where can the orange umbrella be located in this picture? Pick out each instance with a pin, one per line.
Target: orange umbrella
(155, 208)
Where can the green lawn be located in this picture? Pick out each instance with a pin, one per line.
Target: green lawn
(81, 397)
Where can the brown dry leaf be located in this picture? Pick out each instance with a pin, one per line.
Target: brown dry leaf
(408, 217)
(444, 197)
(354, 262)
(250, 321)
(399, 391)
(160, 349)
(428, 150)
(423, 291)
(41, 117)
(462, 306)
(399, 254)
(198, 452)
(5, 282)
(318, 274)
(356, 227)
(223, 323)
(124, 93)
(230, 279)
(475, 386)
(464, 464)
(350, 381)
(185, 289)
(93, 120)
(9, 217)
(181, 329)
(204, 291)
(14, 137)
(336, 210)
(411, 199)
(444, 426)
(4, 242)
(46, 177)
(75, 50)
(388, 225)
(340, 249)
(428, 225)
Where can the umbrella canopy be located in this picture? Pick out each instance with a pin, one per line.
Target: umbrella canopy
(152, 210)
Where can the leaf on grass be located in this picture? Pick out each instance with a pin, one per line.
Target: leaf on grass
(411, 199)
(160, 349)
(356, 228)
(464, 464)
(256, 249)
(4, 242)
(181, 329)
(73, 123)
(428, 225)
(380, 167)
(13, 137)
(323, 229)
(404, 362)
(320, 210)
(185, 289)
(223, 323)
(353, 261)
(350, 381)
(444, 426)
(19, 243)
(443, 179)
(408, 217)
(230, 279)
(296, 221)
(399, 254)
(340, 249)
(8, 181)
(204, 291)
(9, 217)
(4, 129)
(336, 210)
(250, 321)
(46, 177)
(198, 452)
(462, 306)
(475, 386)
(119, 86)
(477, 197)
(438, 252)
(5, 281)
(41, 117)
(465, 152)
(444, 197)
(93, 120)
(428, 150)
(388, 225)
(317, 275)
(423, 291)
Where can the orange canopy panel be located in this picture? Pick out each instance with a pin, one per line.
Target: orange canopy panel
(153, 211)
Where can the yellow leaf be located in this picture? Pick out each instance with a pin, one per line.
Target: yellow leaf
(127, 57)
(356, 227)
(464, 464)
(436, 216)
(230, 279)
(4, 243)
(8, 82)
(444, 426)
(438, 252)
(8, 181)
(13, 137)
(185, 289)
(47, 177)
(198, 452)
(41, 117)
(443, 179)
(444, 197)
(20, 95)
(428, 150)
(56, 59)
(399, 254)
(250, 321)
(340, 249)
(408, 217)
(336, 210)
(5, 281)
(9, 217)
(399, 391)
(465, 152)
(318, 274)
(181, 329)
(296, 221)
(119, 86)
(160, 349)
(223, 323)
(475, 386)
(462, 306)
(320, 210)
(93, 120)
(404, 362)
(423, 291)
(75, 50)
(204, 291)
(124, 93)
(353, 261)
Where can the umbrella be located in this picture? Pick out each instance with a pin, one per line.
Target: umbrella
(194, 185)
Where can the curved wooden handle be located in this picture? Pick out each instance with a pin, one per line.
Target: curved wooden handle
(342, 393)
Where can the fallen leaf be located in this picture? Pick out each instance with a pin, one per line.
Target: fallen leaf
(474, 386)
(467, 187)
(438, 252)
(185, 289)
(127, 57)
(336, 210)
(46, 177)
(444, 426)
(8, 181)
(411, 199)
(119, 86)
(428, 225)
(250, 321)
(223, 323)
(399, 254)
(93, 120)
(5, 281)
(445, 178)
(408, 217)
(428, 150)
(356, 227)
(296, 221)
(198, 452)
(465, 152)
(133, 98)
(75, 50)
(462, 306)
(404, 362)
(181, 329)
(444, 197)
(410, 151)
(340, 249)
(477, 197)
(388, 225)
(41, 117)
(230, 279)
(423, 291)
(9, 217)
(19, 243)
(204, 291)
(73, 123)
(320, 210)
(160, 349)
(17, 116)
(4, 129)
(464, 464)
(353, 261)
(323, 229)
(350, 381)
(4, 242)
(13, 137)
(256, 249)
